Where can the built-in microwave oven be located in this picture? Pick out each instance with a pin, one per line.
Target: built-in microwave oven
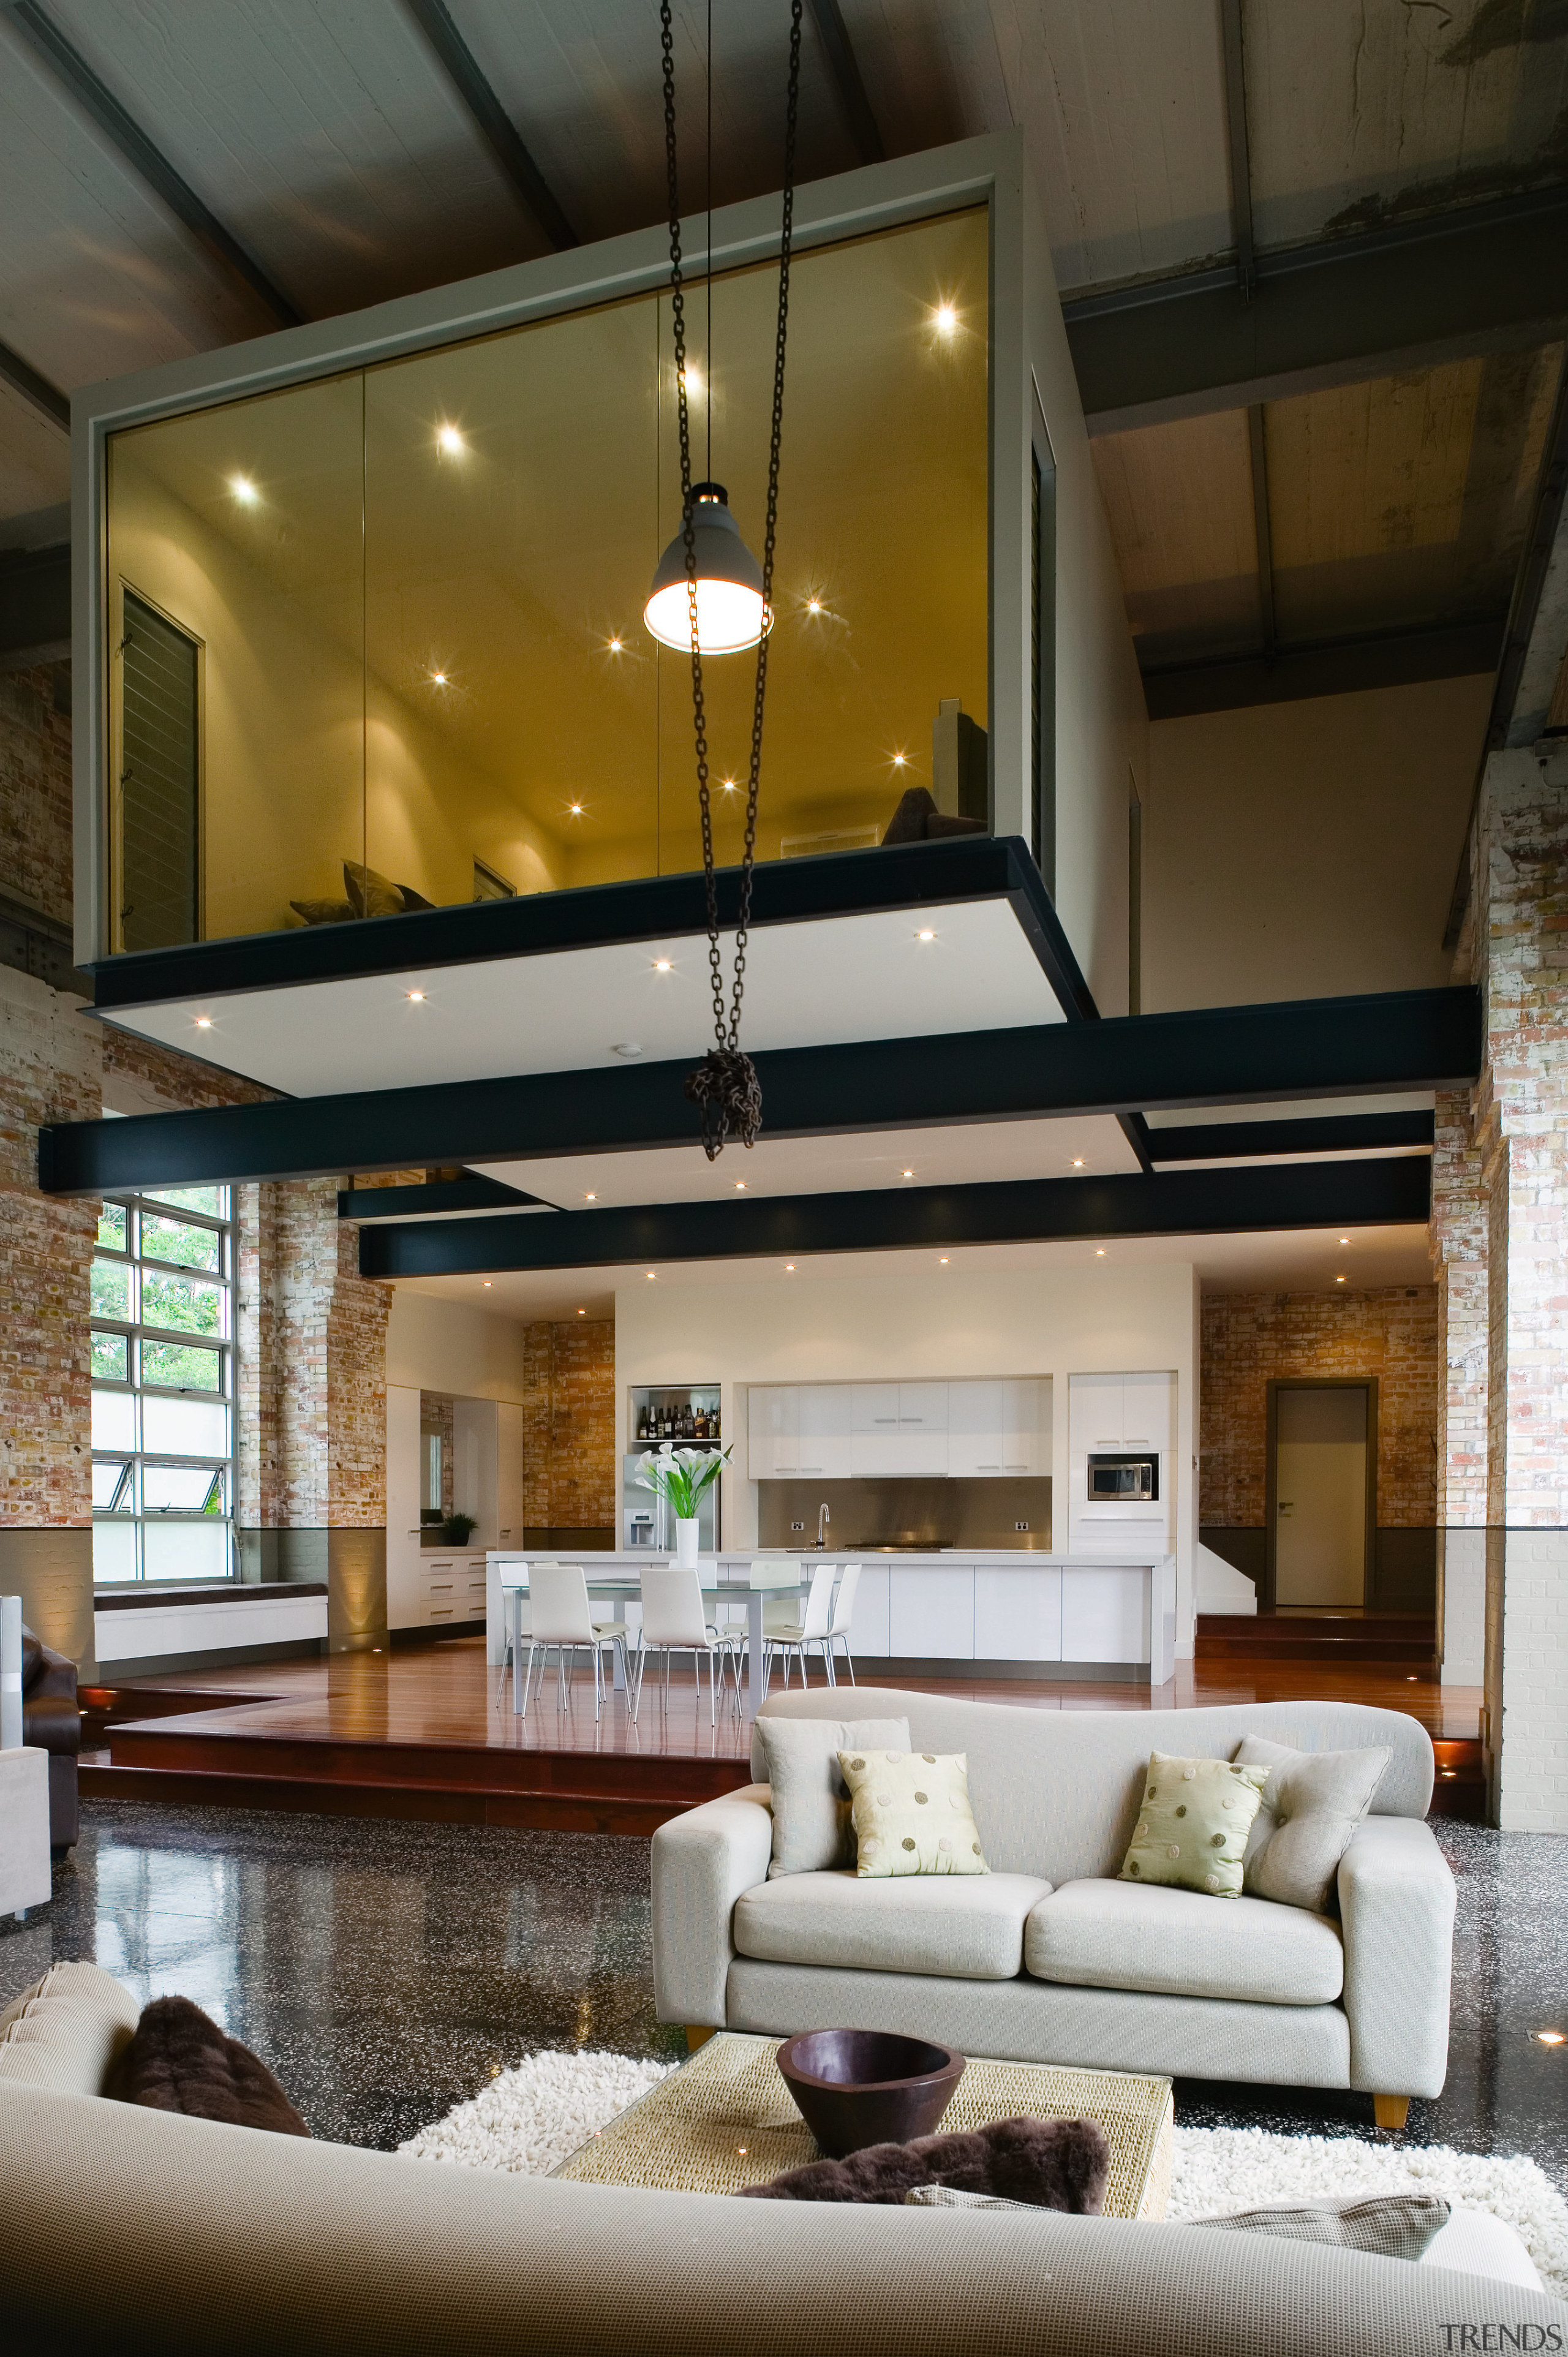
(1123, 1480)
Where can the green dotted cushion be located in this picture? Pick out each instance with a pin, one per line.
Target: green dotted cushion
(911, 1812)
(1193, 1822)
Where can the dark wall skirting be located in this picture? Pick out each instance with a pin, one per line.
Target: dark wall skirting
(352, 1563)
(51, 1571)
(1404, 1562)
(898, 1665)
(163, 1666)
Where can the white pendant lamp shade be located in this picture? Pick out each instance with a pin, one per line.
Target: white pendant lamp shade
(730, 611)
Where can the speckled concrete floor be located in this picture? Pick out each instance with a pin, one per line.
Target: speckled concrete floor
(385, 1971)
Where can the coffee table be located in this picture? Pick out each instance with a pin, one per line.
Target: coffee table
(725, 2119)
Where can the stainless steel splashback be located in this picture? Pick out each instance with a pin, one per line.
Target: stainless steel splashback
(914, 1514)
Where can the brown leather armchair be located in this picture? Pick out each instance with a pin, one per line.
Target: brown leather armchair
(51, 1721)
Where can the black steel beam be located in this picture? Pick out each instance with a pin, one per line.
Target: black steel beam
(785, 891)
(834, 34)
(1349, 1133)
(35, 607)
(1227, 1055)
(432, 1199)
(1482, 278)
(45, 398)
(1204, 1203)
(1337, 667)
(496, 125)
(94, 97)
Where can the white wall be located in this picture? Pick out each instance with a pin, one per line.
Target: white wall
(1103, 728)
(962, 1322)
(444, 1346)
(1306, 850)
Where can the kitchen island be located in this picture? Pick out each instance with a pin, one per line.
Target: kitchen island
(1010, 1613)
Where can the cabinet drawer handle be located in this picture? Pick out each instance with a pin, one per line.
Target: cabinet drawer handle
(443, 1613)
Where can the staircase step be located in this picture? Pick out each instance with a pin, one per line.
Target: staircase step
(1281, 1636)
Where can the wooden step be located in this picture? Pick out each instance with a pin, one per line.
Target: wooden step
(1408, 1639)
(557, 1811)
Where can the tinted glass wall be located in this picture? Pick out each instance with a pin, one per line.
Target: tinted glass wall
(416, 592)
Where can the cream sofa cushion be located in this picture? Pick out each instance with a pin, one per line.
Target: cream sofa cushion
(1106, 1934)
(812, 1833)
(65, 2032)
(964, 1928)
(1312, 1804)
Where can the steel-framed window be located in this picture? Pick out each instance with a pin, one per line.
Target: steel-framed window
(162, 1387)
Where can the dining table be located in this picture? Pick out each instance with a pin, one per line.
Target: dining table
(620, 1590)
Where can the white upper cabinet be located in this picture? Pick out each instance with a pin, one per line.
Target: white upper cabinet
(773, 1431)
(873, 1408)
(923, 1408)
(899, 1428)
(825, 1443)
(1146, 1410)
(1022, 1427)
(1094, 1416)
(975, 1430)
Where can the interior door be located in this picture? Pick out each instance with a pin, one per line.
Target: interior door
(1320, 1494)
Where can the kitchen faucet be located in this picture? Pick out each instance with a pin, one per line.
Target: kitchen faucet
(823, 1519)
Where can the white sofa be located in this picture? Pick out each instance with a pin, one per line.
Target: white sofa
(126, 2232)
(1050, 1958)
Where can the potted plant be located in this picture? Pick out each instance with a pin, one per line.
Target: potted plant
(682, 1477)
(460, 1528)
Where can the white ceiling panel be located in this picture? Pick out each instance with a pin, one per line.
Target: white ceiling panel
(1305, 1260)
(976, 1153)
(324, 135)
(830, 980)
(96, 277)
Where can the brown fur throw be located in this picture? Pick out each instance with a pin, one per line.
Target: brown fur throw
(1054, 2164)
(179, 2061)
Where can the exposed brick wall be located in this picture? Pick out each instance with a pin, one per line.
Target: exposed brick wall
(48, 1072)
(35, 794)
(313, 1375)
(568, 1424)
(1249, 1339)
(1457, 1241)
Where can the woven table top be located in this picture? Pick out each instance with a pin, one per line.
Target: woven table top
(727, 2119)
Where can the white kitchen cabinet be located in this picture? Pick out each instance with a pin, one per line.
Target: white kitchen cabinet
(930, 1614)
(873, 1408)
(868, 1630)
(1021, 1426)
(1094, 1414)
(773, 1431)
(974, 1430)
(923, 1406)
(1018, 1615)
(1105, 1615)
(1146, 1410)
(825, 1447)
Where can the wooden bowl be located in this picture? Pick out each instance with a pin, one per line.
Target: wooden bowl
(856, 2087)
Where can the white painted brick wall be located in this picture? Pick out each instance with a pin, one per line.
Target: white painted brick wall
(1463, 1555)
(1531, 1745)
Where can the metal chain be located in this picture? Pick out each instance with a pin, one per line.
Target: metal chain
(726, 1086)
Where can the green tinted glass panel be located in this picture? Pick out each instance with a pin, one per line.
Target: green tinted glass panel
(172, 1239)
(214, 1199)
(111, 1358)
(111, 1290)
(186, 1366)
(183, 1303)
(113, 1226)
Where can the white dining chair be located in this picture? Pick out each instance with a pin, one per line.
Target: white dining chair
(839, 1621)
(561, 1619)
(810, 1628)
(675, 1620)
(513, 1579)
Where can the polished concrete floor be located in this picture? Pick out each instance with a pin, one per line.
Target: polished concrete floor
(385, 1971)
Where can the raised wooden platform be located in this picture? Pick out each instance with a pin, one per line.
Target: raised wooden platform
(418, 1734)
(1401, 1640)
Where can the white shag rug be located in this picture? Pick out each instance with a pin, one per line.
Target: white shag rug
(530, 2118)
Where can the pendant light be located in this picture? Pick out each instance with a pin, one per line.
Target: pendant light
(709, 580)
(731, 611)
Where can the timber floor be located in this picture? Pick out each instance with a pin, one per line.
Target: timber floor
(417, 1734)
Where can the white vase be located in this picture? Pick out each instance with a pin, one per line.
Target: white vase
(686, 1541)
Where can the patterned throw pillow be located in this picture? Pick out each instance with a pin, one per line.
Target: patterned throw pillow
(911, 1812)
(1193, 1822)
